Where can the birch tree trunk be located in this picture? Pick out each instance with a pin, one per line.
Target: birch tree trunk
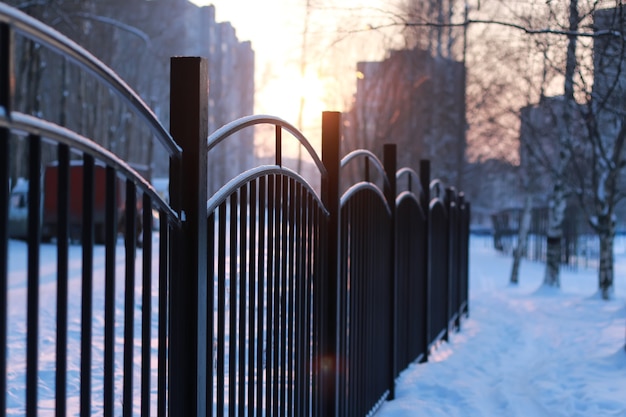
(556, 215)
(558, 199)
(606, 235)
(522, 239)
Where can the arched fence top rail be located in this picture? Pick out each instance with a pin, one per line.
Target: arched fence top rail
(40, 33)
(24, 124)
(233, 185)
(414, 179)
(370, 156)
(406, 195)
(235, 126)
(363, 186)
(437, 189)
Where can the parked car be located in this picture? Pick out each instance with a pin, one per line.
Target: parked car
(50, 201)
(18, 210)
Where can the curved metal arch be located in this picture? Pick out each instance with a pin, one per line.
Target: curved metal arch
(370, 156)
(415, 179)
(245, 177)
(235, 126)
(435, 203)
(361, 186)
(37, 31)
(405, 195)
(437, 189)
(26, 124)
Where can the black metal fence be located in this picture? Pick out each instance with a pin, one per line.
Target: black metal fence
(266, 298)
(579, 246)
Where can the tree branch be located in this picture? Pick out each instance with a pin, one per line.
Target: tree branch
(530, 31)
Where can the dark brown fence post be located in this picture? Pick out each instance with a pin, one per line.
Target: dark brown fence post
(188, 191)
(451, 256)
(328, 361)
(6, 62)
(390, 162)
(425, 202)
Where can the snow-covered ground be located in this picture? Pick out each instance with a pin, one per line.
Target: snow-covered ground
(525, 350)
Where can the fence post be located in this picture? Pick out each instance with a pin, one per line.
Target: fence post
(390, 162)
(328, 361)
(451, 211)
(461, 260)
(188, 189)
(425, 203)
(6, 93)
(468, 217)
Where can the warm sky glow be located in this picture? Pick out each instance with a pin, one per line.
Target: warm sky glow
(275, 28)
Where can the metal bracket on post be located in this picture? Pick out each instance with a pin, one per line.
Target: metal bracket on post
(328, 361)
(188, 190)
(390, 162)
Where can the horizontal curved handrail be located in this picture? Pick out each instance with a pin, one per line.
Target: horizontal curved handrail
(235, 126)
(364, 185)
(26, 124)
(247, 176)
(370, 156)
(35, 30)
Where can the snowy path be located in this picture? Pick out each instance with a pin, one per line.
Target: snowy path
(524, 351)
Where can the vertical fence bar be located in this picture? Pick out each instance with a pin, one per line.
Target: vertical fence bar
(87, 285)
(331, 136)
(6, 93)
(4, 258)
(425, 202)
(189, 127)
(232, 308)
(278, 251)
(221, 308)
(211, 345)
(289, 301)
(299, 301)
(271, 260)
(451, 209)
(146, 306)
(109, 291)
(34, 233)
(63, 201)
(129, 297)
(262, 208)
(252, 310)
(468, 216)
(164, 274)
(243, 296)
(390, 162)
(284, 291)
(462, 261)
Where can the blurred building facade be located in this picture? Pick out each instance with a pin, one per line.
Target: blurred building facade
(416, 101)
(609, 72)
(136, 38)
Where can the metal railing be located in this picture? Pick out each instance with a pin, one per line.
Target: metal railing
(101, 374)
(266, 298)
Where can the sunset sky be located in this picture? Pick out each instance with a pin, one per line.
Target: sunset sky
(275, 28)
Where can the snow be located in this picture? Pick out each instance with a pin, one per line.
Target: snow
(525, 350)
